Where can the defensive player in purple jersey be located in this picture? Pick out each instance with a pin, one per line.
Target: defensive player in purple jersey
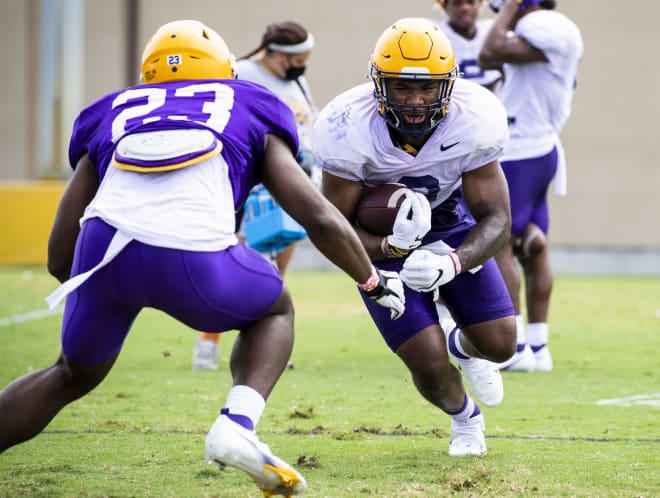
(418, 124)
(539, 51)
(147, 220)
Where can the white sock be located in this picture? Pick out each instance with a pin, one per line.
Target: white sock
(521, 336)
(469, 410)
(243, 400)
(537, 334)
(443, 312)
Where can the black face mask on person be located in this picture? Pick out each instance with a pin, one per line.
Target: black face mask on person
(293, 73)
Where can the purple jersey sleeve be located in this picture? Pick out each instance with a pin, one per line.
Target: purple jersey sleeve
(239, 113)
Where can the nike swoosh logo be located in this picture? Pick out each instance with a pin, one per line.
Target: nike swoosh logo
(444, 147)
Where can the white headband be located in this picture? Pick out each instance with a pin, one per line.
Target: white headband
(298, 48)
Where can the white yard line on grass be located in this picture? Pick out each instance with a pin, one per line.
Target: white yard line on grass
(29, 316)
(640, 399)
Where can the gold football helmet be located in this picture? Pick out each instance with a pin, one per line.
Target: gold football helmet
(186, 50)
(413, 48)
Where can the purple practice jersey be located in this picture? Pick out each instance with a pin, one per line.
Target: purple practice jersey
(238, 113)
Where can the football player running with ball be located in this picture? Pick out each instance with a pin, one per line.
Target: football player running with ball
(147, 220)
(419, 124)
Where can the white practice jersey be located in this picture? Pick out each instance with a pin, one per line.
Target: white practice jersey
(189, 208)
(538, 95)
(467, 52)
(351, 141)
(289, 92)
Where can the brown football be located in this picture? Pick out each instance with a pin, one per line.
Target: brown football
(378, 207)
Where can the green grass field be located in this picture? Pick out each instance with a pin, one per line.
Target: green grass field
(348, 415)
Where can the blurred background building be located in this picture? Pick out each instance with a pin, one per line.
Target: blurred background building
(61, 55)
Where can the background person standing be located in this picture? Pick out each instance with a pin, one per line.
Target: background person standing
(539, 51)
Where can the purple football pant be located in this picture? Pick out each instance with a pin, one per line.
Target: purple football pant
(207, 291)
(528, 181)
(471, 298)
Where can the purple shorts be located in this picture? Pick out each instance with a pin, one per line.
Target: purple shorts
(528, 181)
(207, 291)
(471, 298)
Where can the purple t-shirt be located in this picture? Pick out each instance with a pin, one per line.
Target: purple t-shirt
(239, 113)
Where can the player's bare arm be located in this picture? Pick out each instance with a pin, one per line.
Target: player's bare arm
(342, 193)
(78, 194)
(501, 46)
(487, 195)
(328, 230)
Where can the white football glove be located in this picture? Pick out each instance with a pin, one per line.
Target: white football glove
(425, 271)
(408, 232)
(388, 292)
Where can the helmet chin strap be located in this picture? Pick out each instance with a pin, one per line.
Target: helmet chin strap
(407, 142)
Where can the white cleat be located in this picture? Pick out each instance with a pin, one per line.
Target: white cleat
(543, 360)
(467, 437)
(483, 379)
(521, 361)
(205, 355)
(228, 443)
